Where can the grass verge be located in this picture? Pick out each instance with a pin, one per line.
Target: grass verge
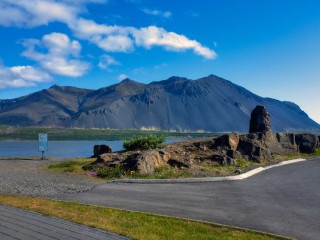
(131, 224)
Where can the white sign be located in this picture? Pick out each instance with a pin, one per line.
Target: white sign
(43, 142)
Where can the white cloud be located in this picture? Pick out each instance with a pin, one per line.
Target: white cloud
(30, 73)
(59, 54)
(21, 76)
(124, 39)
(122, 77)
(154, 36)
(33, 13)
(116, 43)
(154, 12)
(106, 61)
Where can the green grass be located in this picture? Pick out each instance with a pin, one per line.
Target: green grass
(74, 165)
(60, 134)
(163, 172)
(132, 224)
(300, 155)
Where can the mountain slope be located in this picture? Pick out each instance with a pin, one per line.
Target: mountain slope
(210, 103)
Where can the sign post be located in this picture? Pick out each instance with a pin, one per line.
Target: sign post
(43, 143)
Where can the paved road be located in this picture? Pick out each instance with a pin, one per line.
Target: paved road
(283, 200)
(25, 225)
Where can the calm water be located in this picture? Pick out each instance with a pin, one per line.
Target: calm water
(65, 149)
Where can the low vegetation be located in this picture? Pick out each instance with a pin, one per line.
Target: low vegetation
(64, 134)
(132, 224)
(144, 143)
(72, 165)
(316, 153)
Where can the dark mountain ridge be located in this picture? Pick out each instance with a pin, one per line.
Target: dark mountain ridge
(210, 103)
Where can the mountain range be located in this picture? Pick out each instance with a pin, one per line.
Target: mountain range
(210, 104)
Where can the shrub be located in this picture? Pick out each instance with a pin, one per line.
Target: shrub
(143, 143)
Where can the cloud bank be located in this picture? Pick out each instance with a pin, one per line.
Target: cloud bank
(57, 54)
(34, 13)
(21, 76)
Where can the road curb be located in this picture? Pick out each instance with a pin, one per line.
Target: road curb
(208, 179)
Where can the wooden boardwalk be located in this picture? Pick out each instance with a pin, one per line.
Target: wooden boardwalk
(20, 224)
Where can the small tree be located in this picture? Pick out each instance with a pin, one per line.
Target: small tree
(143, 143)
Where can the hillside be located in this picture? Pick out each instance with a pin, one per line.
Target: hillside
(210, 104)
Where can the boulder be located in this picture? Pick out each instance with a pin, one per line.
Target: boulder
(279, 143)
(307, 143)
(146, 161)
(260, 120)
(101, 149)
(251, 148)
(228, 141)
(263, 146)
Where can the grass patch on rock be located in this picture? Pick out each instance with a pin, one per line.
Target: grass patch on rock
(135, 225)
(72, 165)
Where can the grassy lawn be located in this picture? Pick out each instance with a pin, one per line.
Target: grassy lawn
(131, 224)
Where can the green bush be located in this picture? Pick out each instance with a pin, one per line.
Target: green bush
(143, 143)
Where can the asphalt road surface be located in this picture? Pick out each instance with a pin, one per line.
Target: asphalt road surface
(283, 200)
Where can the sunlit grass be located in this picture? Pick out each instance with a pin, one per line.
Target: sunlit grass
(72, 165)
(132, 224)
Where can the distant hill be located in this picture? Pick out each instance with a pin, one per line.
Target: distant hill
(210, 103)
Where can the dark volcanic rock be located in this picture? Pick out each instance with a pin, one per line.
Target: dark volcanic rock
(307, 142)
(223, 150)
(262, 146)
(229, 141)
(260, 120)
(146, 161)
(101, 149)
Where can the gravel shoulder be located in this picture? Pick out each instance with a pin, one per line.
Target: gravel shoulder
(28, 177)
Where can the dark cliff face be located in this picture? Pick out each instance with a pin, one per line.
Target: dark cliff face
(210, 103)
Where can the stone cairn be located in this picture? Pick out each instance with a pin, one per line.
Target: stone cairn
(260, 120)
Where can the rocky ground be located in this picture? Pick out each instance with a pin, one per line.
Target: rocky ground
(259, 146)
(227, 150)
(28, 177)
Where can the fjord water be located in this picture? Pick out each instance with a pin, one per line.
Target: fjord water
(63, 149)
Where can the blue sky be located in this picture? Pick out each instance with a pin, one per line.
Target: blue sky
(269, 47)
